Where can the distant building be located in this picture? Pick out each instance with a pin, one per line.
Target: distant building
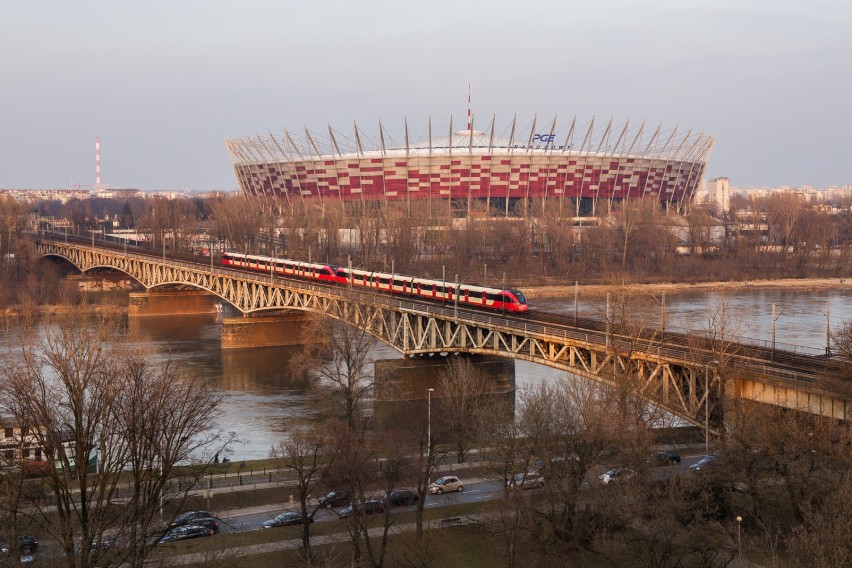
(719, 193)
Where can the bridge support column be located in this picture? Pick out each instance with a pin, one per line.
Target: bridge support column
(264, 331)
(401, 387)
(171, 303)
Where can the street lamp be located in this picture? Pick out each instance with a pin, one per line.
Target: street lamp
(429, 392)
(739, 541)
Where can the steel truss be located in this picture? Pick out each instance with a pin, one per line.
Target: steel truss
(668, 376)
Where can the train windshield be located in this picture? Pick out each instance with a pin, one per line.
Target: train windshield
(520, 296)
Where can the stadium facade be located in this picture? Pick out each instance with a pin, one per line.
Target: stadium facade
(586, 164)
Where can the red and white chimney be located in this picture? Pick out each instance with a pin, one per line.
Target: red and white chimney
(97, 161)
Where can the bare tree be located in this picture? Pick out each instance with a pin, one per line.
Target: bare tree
(306, 454)
(630, 218)
(165, 423)
(339, 356)
(237, 221)
(572, 427)
(93, 409)
(464, 393)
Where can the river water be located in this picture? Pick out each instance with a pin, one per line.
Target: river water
(263, 399)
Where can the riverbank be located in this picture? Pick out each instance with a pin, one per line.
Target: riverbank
(672, 288)
(58, 309)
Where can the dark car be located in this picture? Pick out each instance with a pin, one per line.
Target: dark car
(186, 531)
(285, 519)
(704, 464)
(335, 498)
(664, 457)
(27, 544)
(371, 507)
(186, 518)
(207, 522)
(402, 497)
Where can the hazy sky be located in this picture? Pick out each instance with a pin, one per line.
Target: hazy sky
(163, 83)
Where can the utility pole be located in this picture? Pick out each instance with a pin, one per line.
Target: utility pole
(456, 310)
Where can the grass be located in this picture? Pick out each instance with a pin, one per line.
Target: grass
(455, 547)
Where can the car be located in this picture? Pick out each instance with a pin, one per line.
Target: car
(335, 498)
(185, 518)
(704, 464)
(285, 520)
(27, 544)
(664, 457)
(616, 475)
(529, 480)
(186, 531)
(446, 484)
(207, 522)
(402, 497)
(370, 507)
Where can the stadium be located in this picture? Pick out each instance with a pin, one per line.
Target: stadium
(584, 166)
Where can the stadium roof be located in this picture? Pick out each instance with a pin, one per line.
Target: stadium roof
(606, 139)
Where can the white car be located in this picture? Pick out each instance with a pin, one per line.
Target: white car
(529, 480)
(616, 475)
(445, 484)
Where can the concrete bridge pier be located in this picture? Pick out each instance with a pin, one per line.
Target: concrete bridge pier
(264, 331)
(401, 387)
(171, 303)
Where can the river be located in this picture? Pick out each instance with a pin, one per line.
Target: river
(263, 399)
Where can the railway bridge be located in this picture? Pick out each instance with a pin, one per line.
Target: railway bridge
(691, 378)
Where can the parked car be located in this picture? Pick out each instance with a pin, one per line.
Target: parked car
(371, 507)
(186, 531)
(285, 520)
(664, 457)
(335, 498)
(207, 522)
(27, 544)
(529, 480)
(704, 464)
(185, 518)
(616, 475)
(402, 497)
(446, 484)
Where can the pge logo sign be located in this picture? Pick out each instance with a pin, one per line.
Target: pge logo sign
(543, 138)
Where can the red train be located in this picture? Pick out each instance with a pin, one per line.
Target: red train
(510, 299)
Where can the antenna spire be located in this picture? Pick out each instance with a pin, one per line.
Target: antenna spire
(469, 125)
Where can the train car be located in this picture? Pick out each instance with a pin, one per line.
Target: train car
(282, 266)
(510, 299)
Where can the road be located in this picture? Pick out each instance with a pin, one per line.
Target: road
(475, 490)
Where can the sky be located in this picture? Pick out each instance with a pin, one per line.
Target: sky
(163, 83)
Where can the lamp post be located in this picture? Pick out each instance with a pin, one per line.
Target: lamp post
(739, 540)
(429, 392)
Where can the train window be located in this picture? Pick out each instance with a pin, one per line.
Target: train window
(519, 295)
